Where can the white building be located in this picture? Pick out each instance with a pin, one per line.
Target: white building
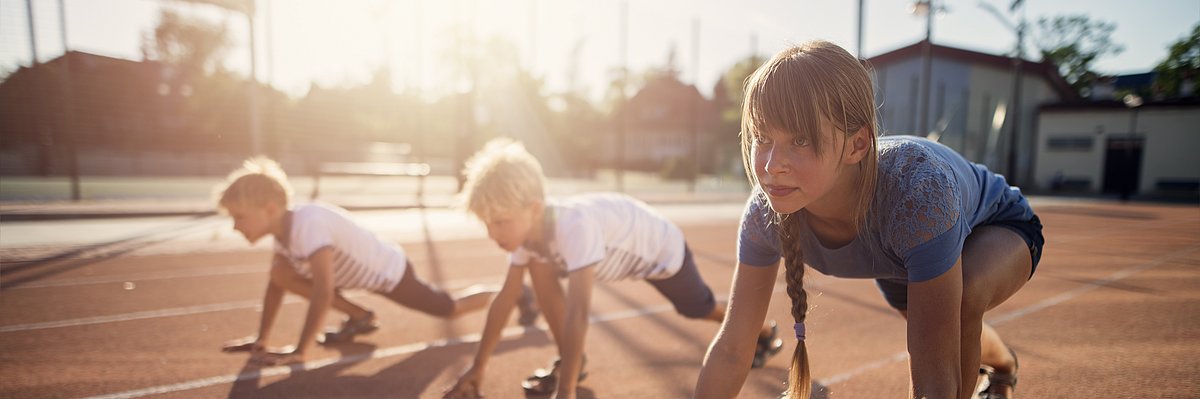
(1064, 143)
(970, 105)
(1107, 147)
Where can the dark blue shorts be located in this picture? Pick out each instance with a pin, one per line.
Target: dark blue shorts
(896, 291)
(686, 290)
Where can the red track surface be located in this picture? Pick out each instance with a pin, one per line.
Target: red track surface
(1113, 311)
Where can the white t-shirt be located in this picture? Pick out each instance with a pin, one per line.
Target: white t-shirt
(361, 260)
(624, 237)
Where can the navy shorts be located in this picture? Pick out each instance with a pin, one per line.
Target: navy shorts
(686, 290)
(415, 293)
(896, 291)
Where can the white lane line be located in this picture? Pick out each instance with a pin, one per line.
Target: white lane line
(1004, 318)
(191, 310)
(378, 354)
(150, 314)
(148, 276)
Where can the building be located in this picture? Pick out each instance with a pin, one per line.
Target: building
(668, 125)
(1130, 148)
(970, 105)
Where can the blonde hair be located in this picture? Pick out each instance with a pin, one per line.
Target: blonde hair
(502, 176)
(258, 182)
(794, 92)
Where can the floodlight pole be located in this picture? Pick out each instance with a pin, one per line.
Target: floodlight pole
(1018, 61)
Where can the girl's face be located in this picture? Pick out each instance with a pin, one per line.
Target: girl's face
(789, 170)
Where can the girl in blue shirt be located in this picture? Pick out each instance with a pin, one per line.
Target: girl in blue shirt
(945, 239)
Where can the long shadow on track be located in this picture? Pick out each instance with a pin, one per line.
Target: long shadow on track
(408, 378)
(21, 272)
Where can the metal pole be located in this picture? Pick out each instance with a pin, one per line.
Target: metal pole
(32, 34)
(1016, 109)
(420, 58)
(68, 130)
(255, 123)
(927, 70)
(695, 128)
(623, 110)
(861, 4)
(273, 142)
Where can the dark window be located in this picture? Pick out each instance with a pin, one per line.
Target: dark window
(1070, 143)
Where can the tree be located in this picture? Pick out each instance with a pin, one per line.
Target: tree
(1073, 42)
(727, 98)
(1181, 66)
(193, 45)
(732, 87)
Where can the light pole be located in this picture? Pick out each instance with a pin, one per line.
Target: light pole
(1132, 101)
(1018, 61)
(926, 8)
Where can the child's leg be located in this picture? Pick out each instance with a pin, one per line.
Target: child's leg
(994, 353)
(997, 260)
(285, 276)
(694, 299)
(691, 296)
(412, 292)
(996, 263)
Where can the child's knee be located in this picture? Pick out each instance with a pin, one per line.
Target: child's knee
(447, 311)
(700, 310)
(441, 304)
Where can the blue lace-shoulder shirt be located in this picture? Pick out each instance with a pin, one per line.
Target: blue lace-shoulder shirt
(927, 200)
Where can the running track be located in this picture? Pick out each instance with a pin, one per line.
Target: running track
(1113, 311)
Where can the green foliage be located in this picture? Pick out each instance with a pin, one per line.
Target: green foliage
(734, 83)
(728, 94)
(191, 44)
(1074, 42)
(1181, 65)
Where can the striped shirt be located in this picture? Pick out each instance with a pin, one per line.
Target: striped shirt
(361, 259)
(623, 237)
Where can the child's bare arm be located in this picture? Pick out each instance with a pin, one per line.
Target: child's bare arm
(934, 337)
(729, 356)
(498, 314)
(320, 300)
(272, 300)
(579, 300)
(321, 263)
(550, 297)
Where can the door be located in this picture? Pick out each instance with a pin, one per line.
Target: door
(1123, 165)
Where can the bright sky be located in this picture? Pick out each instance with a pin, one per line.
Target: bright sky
(333, 42)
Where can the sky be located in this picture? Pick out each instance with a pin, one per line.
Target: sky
(338, 43)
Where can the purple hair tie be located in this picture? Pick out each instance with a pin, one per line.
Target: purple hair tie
(799, 327)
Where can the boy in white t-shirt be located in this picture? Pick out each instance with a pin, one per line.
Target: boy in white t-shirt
(585, 238)
(320, 250)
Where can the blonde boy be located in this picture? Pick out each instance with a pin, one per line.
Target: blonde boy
(585, 238)
(320, 250)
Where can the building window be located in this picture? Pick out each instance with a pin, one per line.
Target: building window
(1070, 143)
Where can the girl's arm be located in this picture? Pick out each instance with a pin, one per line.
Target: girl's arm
(497, 317)
(579, 299)
(934, 335)
(728, 359)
